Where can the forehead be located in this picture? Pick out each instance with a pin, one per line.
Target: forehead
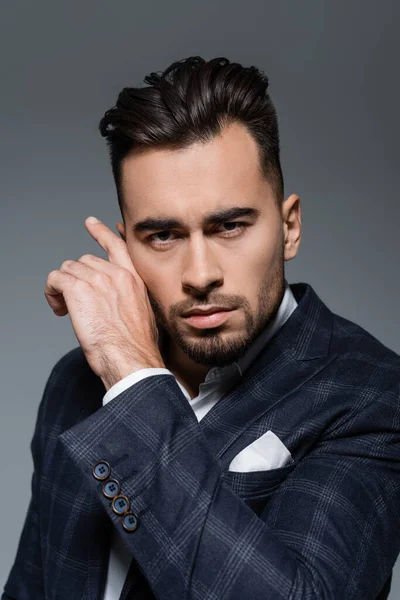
(220, 172)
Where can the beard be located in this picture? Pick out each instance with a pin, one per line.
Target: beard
(213, 347)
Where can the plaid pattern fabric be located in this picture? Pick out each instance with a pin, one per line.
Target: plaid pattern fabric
(326, 526)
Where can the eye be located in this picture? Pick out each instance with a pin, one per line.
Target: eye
(242, 224)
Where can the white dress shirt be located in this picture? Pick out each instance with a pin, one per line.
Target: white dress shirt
(217, 381)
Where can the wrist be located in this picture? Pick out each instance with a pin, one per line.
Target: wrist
(117, 369)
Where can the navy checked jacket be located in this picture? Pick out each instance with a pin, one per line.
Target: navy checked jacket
(326, 526)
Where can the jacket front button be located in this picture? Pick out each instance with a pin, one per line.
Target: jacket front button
(120, 505)
(101, 470)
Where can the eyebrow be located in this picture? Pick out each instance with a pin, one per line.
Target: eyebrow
(215, 218)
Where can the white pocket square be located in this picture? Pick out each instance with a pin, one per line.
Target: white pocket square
(265, 453)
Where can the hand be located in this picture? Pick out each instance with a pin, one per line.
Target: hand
(109, 308)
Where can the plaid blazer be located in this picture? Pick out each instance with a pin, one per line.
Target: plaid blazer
(325, 526)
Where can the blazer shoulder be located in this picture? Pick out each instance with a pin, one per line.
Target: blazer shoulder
(72, 363)
(354, 344)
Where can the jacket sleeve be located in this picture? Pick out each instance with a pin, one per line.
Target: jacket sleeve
(25, 580)
(329, 532)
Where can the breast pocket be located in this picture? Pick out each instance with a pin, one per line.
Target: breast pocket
(257, 487)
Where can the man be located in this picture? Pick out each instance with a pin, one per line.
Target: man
(218, 433)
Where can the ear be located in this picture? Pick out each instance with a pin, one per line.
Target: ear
(291, 215)
(121, 230)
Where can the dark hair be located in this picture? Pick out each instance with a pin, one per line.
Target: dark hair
(192, 101)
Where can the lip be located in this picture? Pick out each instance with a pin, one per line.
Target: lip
(207, 321)
(205, 310)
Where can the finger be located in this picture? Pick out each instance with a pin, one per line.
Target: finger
(61, 312)
(114, 246)
(94, 270)
(55, 288)
(100, 264)
(83, 271)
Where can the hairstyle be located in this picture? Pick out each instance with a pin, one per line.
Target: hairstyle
(191, 101)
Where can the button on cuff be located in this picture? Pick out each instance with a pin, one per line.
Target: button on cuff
(111, 488)
(101, 470)
(130, 522)
(120, 505)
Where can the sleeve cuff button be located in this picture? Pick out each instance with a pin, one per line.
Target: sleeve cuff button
(120, 505)
(130, 522)
(101, 470)
(111, 488)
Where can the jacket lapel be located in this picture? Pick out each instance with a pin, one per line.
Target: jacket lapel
(136, 583)
(297, 352)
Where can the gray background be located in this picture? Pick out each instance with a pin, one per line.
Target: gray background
(334, 78)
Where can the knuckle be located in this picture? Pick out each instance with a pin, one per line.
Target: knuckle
(67, 263)
(85, 257)
(52, 277)
(99, 278)
(80, 284)
(122, 275)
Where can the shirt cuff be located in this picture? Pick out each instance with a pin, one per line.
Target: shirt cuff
(129, 380)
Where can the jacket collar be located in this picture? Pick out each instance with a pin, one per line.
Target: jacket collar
(307, 333)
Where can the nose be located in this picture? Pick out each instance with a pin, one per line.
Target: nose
(201, 269)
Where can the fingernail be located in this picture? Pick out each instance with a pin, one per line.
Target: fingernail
(92, 220)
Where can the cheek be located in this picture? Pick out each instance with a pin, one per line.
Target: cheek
(145, 267)
(155, 285)
(158, 281)
(259, 257)
(152, 269)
